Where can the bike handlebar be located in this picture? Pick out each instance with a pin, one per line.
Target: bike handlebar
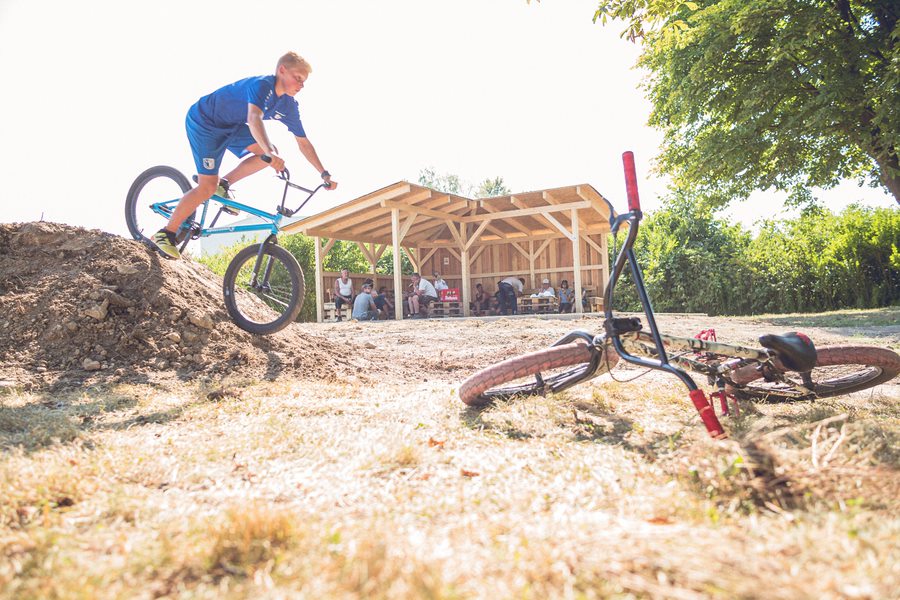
(634, 202)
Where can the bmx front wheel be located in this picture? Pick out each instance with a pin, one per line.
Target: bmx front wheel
(526, 375)
(264, 293)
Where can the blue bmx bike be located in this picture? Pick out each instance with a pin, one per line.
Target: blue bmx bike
(263, 285)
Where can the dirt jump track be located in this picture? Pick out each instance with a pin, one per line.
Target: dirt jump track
(80, 306)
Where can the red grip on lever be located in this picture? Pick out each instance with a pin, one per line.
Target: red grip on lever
(634, 202)
(707, 414)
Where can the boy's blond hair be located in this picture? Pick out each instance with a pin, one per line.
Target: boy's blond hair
(293, 60)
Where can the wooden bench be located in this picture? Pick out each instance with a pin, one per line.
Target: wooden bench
(595, 303)
(543, 305)
(328, 312)
(439, 310)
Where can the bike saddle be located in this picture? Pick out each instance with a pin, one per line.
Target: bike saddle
(795, 350)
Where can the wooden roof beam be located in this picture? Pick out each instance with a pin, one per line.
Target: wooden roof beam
(525, 212)
(351, 208)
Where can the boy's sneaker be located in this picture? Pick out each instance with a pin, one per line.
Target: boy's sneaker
(223, 191)
(164, 241)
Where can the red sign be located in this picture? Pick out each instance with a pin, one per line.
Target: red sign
(450, 295)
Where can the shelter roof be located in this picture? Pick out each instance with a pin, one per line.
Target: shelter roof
(428, 217)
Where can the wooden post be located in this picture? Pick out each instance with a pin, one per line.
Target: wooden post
(531, 263)
(320, 293)
(464, 267)
(576, 259)
(604, 260)
(373, 262)
(398, 275)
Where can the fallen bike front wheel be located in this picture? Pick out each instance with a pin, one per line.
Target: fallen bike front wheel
(264, 293)
(527, 375)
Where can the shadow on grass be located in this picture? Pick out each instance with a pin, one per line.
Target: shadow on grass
(881, 437)
(48, 419)
(583, 421)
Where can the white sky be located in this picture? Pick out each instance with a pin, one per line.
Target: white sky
(96, 91)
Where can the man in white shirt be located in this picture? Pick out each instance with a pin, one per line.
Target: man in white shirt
(424, 295)
(546, 291)
(439, 283)
(343, 293)
(507, 291)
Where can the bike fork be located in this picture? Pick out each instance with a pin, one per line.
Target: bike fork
(256, 282)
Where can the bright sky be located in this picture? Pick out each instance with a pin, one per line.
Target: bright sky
(97, 91)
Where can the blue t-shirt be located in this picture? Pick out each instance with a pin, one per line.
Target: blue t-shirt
(226, 108)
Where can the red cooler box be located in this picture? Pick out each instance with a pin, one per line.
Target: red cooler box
(450, 295)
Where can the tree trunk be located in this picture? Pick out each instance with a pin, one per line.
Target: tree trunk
(888, 166)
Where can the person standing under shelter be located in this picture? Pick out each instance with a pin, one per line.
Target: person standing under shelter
(508, 290)
(364, 308)
(424, 295)
(231, 118)
(343, 293)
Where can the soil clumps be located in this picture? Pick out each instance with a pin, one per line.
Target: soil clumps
(83, 307)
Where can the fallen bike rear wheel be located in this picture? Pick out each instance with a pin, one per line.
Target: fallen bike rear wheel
(266, 299)
(156, 184)
(839, 370)
(527, 375)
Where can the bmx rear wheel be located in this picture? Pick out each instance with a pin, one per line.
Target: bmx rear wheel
(268, 298)
(156, 184)
(839, 370)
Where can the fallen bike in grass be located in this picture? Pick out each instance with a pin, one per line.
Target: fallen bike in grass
(787, 367)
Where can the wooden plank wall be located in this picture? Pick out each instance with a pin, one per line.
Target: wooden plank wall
(381, 279)
(502, 260)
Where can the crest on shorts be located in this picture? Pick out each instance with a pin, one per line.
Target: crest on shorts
(209, 163)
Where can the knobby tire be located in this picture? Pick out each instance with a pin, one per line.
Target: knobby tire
(875, 366)
(140, 231)
(294, 303)
(481, 388)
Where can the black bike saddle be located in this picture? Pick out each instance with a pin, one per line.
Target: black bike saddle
(795, 350)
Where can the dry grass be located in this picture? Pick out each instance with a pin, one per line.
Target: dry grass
(321, 491)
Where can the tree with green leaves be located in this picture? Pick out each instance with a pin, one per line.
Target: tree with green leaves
(451, 184)
(783, 94)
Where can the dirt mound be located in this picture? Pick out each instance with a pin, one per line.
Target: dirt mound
(80, 306)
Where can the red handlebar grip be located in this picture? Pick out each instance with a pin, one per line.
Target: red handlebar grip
(707, 414)
(634, 202)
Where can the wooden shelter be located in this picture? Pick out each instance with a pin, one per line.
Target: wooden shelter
(558, 233)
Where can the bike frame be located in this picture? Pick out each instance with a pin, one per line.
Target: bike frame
(166, 208)
(272, 222)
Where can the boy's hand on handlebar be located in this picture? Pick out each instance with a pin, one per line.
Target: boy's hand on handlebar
(275, 161)
(329, 184)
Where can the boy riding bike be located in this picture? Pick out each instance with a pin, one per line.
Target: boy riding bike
(231, 118)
